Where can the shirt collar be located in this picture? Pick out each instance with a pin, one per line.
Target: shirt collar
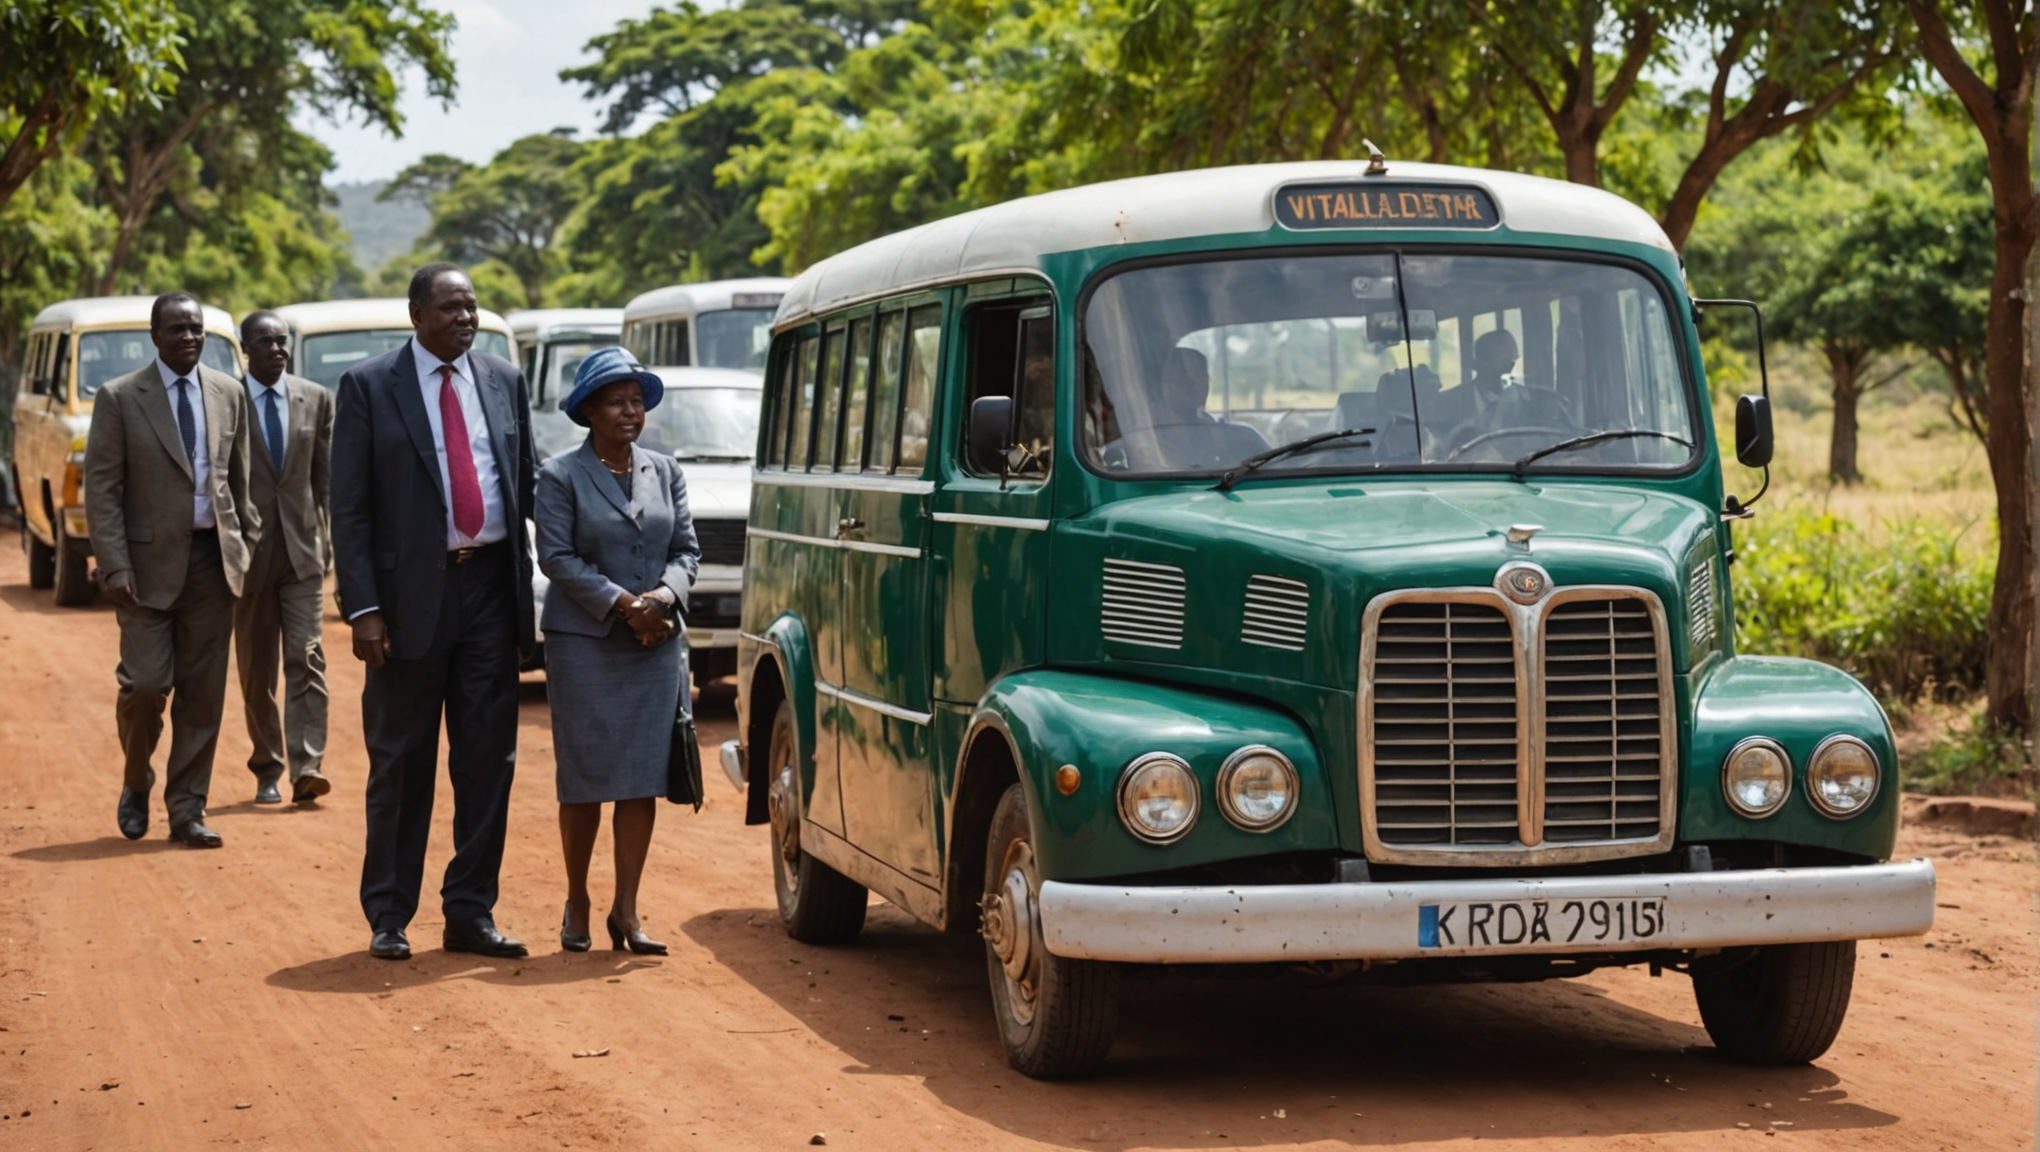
(170, 378)
(428, 365)
(258, 386)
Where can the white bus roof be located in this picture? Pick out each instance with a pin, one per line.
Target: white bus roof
(1012, 237)
(117, 311)
(713, 296)
(386, 312)
(534, 322)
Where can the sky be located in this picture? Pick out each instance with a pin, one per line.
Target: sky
(507, 55)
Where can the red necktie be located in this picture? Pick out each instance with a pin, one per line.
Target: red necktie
(465, 484)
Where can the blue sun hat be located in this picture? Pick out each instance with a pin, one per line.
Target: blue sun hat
(606, 366)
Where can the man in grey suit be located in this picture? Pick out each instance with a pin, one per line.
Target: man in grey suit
(432, 482)
(166, 489)
(279, 610)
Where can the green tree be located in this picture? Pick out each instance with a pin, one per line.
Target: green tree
(66, 63)
(509, 210)
(257, 62)
(1988, 53)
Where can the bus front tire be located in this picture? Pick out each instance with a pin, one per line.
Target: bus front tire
(42, 559)
(1056, 1016)
(1778, 1003)
(817, 904)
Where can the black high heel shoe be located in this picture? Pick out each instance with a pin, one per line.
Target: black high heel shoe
(638, 942)
(571, 941)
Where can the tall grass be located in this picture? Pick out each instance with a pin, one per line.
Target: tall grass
(1905, 612)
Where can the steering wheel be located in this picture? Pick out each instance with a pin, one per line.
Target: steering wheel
(1484, 437)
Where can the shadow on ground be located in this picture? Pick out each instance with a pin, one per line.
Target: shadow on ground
(1206, 1061)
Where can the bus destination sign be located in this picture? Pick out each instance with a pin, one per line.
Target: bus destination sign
(1307, 207)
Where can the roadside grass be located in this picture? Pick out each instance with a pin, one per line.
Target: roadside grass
(1889, 579)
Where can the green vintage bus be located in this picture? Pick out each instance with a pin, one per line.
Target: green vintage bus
(1307, 563)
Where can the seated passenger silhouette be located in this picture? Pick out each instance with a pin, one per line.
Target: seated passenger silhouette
(1182, 434)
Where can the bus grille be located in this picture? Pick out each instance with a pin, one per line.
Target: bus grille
(1502, 733)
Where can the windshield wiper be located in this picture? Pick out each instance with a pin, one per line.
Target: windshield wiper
(1593, 438)
(1239, 471)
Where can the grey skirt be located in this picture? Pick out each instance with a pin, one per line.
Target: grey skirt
(613, 704)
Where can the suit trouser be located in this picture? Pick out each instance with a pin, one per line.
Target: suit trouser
(178, 655)
(469, 675)
(279, 614)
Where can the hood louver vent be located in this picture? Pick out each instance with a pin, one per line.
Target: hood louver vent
(1277, 613)
(1700, 600)
(1143, 604)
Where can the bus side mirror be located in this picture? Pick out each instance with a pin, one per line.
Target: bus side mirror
(1753, 431)
(991, 429)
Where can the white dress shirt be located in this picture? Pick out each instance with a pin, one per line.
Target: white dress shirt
(201, 461)
(494, 526)
(258, 397)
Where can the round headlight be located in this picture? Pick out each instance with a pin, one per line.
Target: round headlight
(1158, 798)
(1257, 788)
(1756, 776)
(1842, 776)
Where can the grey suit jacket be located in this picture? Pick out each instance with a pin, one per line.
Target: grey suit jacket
(139, 486)
(595, 546)
(294, 506)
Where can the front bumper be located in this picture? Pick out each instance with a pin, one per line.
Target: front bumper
(1390, 921)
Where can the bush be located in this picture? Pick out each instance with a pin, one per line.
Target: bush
(1906, 613)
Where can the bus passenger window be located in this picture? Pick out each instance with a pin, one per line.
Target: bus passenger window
(637, 337)
(885, 392)
(802, 408)
(1012, 353)
(60, 364)
(37, 370)
(779, 396)
(856, 391)
(828, 402)
(917, 405)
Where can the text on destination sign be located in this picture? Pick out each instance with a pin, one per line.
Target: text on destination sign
(1384, 206)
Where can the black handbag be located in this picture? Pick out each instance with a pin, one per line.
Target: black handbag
(683, 758)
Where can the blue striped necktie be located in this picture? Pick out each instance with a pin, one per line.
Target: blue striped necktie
(272, 429)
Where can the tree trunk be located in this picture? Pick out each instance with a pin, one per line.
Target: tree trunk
(1845, 365)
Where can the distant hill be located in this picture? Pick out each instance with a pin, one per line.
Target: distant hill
(378, 231)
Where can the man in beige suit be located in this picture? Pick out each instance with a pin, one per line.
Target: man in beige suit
(166, 489)
(291, 437)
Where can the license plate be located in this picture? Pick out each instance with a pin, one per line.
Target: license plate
(1533, 924)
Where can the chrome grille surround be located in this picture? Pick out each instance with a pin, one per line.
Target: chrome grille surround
(1534, 775)
(1276, 613)
(1142, 603)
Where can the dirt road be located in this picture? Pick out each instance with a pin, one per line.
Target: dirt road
(156, 997)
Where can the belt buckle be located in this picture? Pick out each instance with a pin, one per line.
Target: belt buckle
(463, 555)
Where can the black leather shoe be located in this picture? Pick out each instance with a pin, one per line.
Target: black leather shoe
(309, 787)
(572, 941)
(195, 834)
(481, 938)
(635, 939)
(266, 792)
(390, 944)
(133, 814)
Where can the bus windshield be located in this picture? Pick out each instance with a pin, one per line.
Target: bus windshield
(734, 337)
(1398, 361)
(107, 355)
(705, 424)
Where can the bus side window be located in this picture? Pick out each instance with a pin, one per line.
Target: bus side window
(885, 391)
(60, 365)
(1012, 353)
(673, 344)
(856, 395)
(801, 410)
(828, 401)
(917, 405)
(33, 366)
(781, 397)
(637, 337)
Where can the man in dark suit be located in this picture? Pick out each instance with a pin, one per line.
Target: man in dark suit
(166, 490)
(432, 481)
(291, 433)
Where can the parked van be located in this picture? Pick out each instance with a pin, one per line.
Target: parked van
(328, 337)
(551, 343)
(1298, 564)
(709, 422)
(74, 348)
(720, 324)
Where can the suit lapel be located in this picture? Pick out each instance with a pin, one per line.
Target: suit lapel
(403, 382)
(641, 467)
(496, 412)
(598, 475)
(155, 402)
(225, 399)
(298, 437)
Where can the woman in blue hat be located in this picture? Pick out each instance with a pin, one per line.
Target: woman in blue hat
(615, 539)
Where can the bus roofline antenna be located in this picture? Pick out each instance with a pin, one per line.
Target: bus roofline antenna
(1377, 164)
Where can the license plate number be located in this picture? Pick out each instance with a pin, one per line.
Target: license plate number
(1531, 924)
